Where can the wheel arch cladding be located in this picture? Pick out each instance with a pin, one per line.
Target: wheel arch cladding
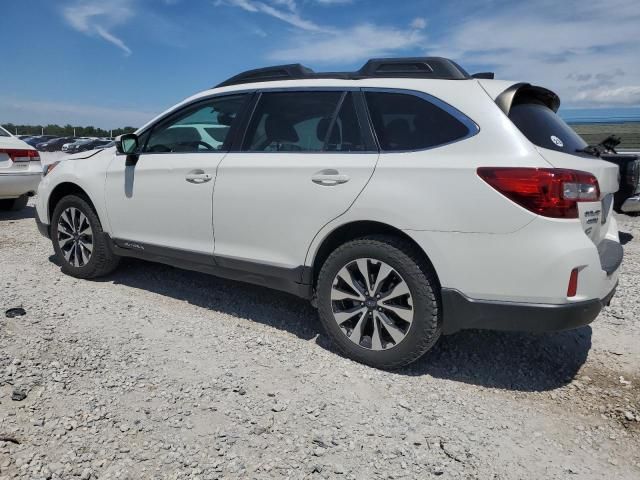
(64, 189)
(359, 229)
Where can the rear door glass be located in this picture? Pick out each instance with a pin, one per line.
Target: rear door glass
(292, 122)
(545, 128)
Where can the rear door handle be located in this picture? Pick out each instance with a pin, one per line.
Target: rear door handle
(198, 176)
(329, 178)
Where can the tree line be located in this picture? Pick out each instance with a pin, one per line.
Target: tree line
(66, 130)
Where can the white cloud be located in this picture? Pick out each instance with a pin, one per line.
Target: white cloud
(626, 95)
(96, 18)
(333, 2)
(360, 42)
(562, 45)
(418, 23)
(329, 44)
(284, 10)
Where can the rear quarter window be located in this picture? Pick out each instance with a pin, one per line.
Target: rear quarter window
(544, 128)
(404, 121)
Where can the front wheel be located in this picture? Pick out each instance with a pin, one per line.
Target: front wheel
(378, 301)
(80, 244)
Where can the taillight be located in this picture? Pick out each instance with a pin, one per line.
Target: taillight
(21, 155)
(551, 192)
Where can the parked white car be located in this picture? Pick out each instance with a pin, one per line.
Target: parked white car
(20, 171)
(405, 200)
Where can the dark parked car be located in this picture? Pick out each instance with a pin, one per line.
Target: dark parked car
(89, 144)
(627, 198)
(35, 140)
(54, 145)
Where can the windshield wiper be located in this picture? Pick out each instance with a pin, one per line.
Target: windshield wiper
(608, 145)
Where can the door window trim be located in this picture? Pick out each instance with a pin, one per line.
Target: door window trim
(472, 127)
(369, 142)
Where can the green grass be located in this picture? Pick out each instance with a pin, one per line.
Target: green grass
(596, 132)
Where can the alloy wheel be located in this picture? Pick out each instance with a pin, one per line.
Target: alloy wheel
(75, 237)
(372, 304)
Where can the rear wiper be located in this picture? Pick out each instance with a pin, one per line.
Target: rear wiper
(608, 145)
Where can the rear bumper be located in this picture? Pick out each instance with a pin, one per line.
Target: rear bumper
(461, 312)
(14, 185)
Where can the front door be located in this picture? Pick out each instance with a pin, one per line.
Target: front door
(165, 198)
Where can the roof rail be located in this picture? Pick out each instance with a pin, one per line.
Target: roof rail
(414, 67)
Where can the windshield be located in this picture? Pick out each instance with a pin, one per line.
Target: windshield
(4, 133)
(545, 129)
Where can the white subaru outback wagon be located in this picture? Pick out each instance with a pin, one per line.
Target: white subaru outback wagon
(406, 200)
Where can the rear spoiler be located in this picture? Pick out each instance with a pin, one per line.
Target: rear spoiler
(527, 93)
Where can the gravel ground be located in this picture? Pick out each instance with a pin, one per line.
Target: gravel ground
(155, 372)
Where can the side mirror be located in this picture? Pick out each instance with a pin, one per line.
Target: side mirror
(127, 144)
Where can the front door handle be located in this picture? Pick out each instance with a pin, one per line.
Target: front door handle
(198, 176)
(329, 178)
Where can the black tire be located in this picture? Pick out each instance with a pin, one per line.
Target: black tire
(102, 260)
(14, 204)
(423, 285)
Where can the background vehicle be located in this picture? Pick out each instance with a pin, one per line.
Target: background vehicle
(54, 144)
(399, 199)
(627, 198)
(89, 144)
(65, 147)
(20, 171)
(34, 141)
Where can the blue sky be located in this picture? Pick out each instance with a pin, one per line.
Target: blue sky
(115, 62)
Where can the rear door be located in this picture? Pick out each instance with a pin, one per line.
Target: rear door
(305, 158)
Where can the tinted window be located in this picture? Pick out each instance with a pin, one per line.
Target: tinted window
(296, 122)
(346, 135)
(544, 128)
(408, 122)
(4, 133)
(198, 129)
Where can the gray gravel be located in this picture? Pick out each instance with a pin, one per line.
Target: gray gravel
(155, 373)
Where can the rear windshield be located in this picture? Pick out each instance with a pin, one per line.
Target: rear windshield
(544, 128)
(4, 133)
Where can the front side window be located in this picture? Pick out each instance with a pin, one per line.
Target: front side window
(545, 128)
(304, 122)
(408, 122)
(202, 128)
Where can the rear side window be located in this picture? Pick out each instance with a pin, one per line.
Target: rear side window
(408, 122)
(304, 122)
(544, 128)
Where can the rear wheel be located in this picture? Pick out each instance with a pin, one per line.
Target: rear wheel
(80, 244)
(14, 204)
(379, 302)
